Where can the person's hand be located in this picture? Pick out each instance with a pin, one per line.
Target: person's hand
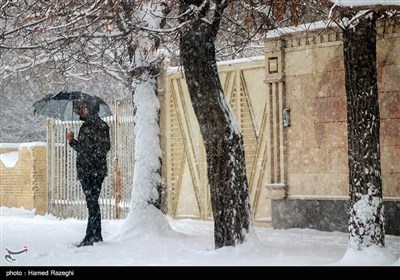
(70, 136)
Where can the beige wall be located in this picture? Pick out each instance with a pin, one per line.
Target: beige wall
(317, 137)
(24, 185)
(184, 162)
(316, 141)
(389, 93)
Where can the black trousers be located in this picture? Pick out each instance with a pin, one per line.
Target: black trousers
(91, 188)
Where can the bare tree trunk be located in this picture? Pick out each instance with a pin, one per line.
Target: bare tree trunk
(366, 223)
(221, 135)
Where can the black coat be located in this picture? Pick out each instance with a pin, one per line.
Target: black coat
(92, 147)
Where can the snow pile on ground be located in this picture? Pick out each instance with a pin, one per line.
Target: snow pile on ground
(373, 255)
(396, 263)
(141, 223)
(167, 242)
(15, 212)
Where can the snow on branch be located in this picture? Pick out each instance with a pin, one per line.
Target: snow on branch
(163, 31)
(377, 5)
(355, 10)
(25, 26)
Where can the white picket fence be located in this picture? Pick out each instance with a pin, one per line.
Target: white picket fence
(66, 199)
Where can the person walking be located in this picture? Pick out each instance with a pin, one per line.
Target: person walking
(92, 146)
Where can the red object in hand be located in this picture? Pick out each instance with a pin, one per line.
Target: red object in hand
(70, 136)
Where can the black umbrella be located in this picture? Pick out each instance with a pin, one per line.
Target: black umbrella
(60, 105)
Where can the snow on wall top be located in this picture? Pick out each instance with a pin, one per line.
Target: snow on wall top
(322, 24)
(351, 3)
(9, 145)
(227, 62)
(293, 29)
(22, 145)
(241, 60)
(10, 159)
(31, 144)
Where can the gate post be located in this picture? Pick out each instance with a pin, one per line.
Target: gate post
(117, 188)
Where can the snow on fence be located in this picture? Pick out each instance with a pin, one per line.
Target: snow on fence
(66, 198)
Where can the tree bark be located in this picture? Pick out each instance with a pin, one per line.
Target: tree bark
(221, 135)
(366, 223)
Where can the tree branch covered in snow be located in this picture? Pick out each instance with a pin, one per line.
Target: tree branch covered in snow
(70, 36)
(347, 14)
(58, 26)
(376, 5)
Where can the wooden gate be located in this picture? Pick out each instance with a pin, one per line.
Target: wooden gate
(66, 198)
(185, 161)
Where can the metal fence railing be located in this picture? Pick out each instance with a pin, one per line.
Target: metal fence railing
(66, 198)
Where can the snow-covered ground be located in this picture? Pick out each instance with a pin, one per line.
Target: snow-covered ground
(50, 242)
